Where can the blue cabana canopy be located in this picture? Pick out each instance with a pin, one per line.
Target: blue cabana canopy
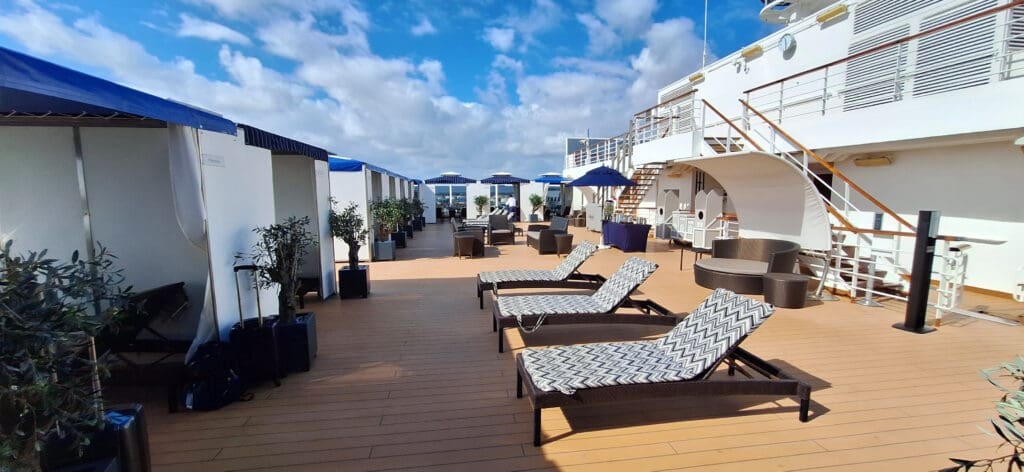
(280, 144)
(346, 164)
(504, 179)
(449, 179)
(603, 176)
(551, 179)
(33, 87)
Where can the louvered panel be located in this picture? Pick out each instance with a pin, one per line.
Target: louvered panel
(871, 80)
(879, 12)
(959, 57)
(1016, 29)
(676, 92)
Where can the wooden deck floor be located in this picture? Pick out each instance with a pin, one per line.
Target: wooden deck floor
(410, 378)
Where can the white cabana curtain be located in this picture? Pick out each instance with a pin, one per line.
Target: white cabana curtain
(190, 211)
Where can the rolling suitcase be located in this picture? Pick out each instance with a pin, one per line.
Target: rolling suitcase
(255, 342)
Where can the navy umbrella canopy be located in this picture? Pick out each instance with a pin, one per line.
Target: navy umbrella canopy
(603, 176)
(504, 179)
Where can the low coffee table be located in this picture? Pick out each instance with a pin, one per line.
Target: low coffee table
(563, 244)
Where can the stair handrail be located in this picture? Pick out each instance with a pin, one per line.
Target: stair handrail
(733, 125)
(864, 193)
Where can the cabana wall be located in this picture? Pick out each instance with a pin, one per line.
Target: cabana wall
(130, 204)
(348, 187)
(297, 185)
(239, 187)
(429, 200)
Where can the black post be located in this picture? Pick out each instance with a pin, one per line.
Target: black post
(921, 273)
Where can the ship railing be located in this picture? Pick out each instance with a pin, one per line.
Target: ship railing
(957, 65)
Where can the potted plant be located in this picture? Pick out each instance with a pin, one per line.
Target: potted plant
(278, 255)
(418, 220)
(480, 201)
(347, 225)
(1010, 424)
(537, 202)
(385, 217)
(51, 407)
(406, 207)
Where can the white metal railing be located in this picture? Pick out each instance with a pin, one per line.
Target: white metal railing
(953, 65)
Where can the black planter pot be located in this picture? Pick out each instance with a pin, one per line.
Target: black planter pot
(409, 231)
(423, 221)
(417, 224)
(354, 283)
(122, 445)
(398, 238)
(296, 343)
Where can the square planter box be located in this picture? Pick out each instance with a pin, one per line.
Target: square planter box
(398, 238)
(296, 343)
(122, 444)
(384, 250)
(417, 224)
(354, 283)
(409, 231)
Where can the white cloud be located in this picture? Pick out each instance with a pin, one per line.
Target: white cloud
(423, 28)
(630, 17)
(198, 28)
(392, 111)
(600, 36)
(501, 39)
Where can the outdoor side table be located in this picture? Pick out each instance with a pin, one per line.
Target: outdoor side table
(464, 245)
(785, 290)
(563, 244)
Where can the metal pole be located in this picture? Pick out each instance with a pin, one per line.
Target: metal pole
(921, 273)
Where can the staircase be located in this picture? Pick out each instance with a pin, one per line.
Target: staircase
(644, 176)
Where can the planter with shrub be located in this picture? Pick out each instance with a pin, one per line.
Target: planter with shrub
(347, 225)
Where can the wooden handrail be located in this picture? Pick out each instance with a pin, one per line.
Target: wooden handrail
(906, 234)
(733, 125)
(830, 167)
(889, 44)
(676, 99)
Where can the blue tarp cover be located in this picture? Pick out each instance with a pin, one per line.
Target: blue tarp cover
(276, 143)
(30, 85)
(504, 179)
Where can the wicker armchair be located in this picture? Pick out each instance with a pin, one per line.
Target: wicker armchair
(500, 230)
(542, 237)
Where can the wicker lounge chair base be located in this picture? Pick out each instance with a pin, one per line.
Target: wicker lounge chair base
(574, 281)
(651, 314)
(680, 363)
(775, 383)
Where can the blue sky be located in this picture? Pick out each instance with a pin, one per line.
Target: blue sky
(419, 86)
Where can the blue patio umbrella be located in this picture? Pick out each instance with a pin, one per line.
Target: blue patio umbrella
(603, 176)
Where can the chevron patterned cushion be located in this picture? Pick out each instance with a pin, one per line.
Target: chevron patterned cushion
(570, 264)
(722, 320)
(627, 278)
(521, 305)
(568, 368)
(718, 323)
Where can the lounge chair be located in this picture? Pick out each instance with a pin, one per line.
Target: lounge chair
(565, 275)
(678, 364)
(529, 312)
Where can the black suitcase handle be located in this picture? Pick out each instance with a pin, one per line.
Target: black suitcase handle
(239, 268)
(238, 292)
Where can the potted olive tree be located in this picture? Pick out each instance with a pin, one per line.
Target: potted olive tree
(385, 217)
(278, 255)
(408, 211)
(480, 201)
(347, 225)
(52, 413)
(418, 220)
(537, 202)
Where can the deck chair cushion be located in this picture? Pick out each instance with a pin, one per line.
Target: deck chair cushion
(570, 264)
(699, 342)
(526, 305)
(630, 275)
(718, 323)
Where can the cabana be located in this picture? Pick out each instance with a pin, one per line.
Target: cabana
(302, 189)
(557, 196)
(449, 192)
(360, 182)
(498, 191)
(172, 190)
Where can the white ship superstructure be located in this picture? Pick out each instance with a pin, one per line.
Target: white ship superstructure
(886, 107)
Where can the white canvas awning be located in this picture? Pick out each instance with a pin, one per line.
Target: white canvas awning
(773, 198)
